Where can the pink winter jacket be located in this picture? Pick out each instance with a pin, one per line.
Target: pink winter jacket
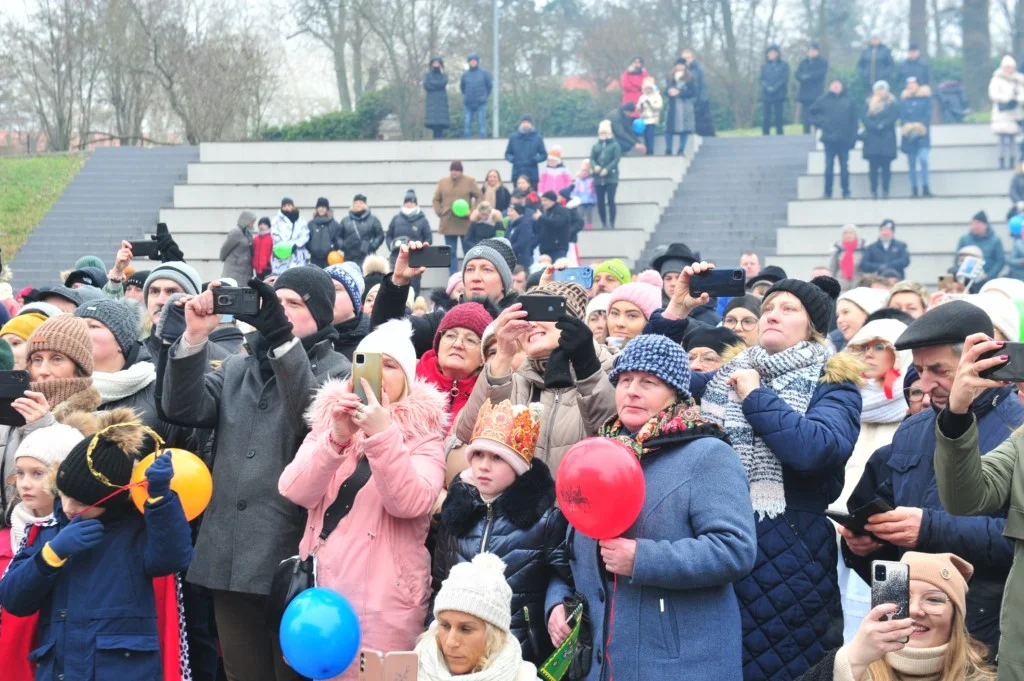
(376, 557)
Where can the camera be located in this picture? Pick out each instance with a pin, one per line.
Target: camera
(235, 300)
(879, 573)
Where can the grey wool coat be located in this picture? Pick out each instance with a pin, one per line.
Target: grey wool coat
(248, 527)
(236, 254)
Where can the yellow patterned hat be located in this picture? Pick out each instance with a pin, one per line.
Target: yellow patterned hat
(509, 431)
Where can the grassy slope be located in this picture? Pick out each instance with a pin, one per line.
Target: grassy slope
(28, 188)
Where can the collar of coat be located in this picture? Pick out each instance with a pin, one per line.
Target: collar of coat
(922, 91)
(420, 413)
(523, 503)
(842, 367)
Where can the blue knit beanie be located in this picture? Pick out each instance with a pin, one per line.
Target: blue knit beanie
(656, 355)
(344, 277)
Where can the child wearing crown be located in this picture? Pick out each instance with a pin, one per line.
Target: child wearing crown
(504, 504)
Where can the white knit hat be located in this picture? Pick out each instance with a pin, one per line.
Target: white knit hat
(49, 445)
(868, 299)
(1002, 311)
(478, 588)
(598, 303)
(394, 339)
(887, 330)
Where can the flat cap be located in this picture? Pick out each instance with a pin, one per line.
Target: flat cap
(947, 324)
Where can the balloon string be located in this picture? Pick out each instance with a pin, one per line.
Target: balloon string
(611, 625)
(71, 516)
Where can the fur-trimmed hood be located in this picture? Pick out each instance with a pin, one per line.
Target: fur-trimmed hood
(839, 368)
(523, 503)
(88, 400)
(922, 91)
(421, 412)
(877, 104)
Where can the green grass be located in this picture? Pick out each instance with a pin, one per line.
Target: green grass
(792, 129)
(28, 188)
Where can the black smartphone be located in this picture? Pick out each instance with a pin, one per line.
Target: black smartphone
(431, 256)
(144, 248)
(856, 521)
(1012, 369)
(890, 583)
(717, 283)
(584, 276)
(13, 385)
(240, 300)
(543, 308)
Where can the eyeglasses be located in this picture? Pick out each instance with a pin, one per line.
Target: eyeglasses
(916, 394)
(747, 323)
(469, 339)
(705, 358)
(876, 348)
(933, 602)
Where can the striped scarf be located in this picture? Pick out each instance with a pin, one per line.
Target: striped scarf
(792, 375)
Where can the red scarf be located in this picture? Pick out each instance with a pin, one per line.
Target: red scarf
(889, 382)
(458, 392)
(846, 264)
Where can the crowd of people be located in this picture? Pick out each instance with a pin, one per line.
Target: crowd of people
(431, 506)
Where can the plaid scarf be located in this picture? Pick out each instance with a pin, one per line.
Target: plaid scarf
(679, 422)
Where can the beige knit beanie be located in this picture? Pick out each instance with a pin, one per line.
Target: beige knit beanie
(67, 335)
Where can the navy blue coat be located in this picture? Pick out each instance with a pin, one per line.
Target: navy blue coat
(520, 235)
(790, 605)
(97, 612)
(917, 109)
(877, 258)
(903, 474)
(774, 78)
(475, 85)
(677, 618)
(524, 152)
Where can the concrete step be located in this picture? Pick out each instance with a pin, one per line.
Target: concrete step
(984, 157)
(942, 183)
(920, 239)
(964, 135)
(935, 211)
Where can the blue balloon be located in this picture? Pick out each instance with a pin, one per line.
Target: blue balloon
(319, 633)
(639, 125)
(1016, 223)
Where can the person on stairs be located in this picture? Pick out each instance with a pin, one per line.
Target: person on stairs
(915, 137)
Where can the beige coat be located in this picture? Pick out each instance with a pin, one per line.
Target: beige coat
(1003, 89)
(448, 192)
(570, 414)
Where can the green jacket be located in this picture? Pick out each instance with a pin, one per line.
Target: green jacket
(606, 154)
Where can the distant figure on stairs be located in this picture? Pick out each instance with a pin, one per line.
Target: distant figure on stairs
(291, 234)
(835, 115)
(875, 63)
(650, 106)
(774, 90)
(361, 231)
(604, 160)
(984, 237)
(632, 81)
(525, 150)
(236, 252)
(915, 133)
(325, 234)
(622, 128)
(681, 91)
(450, 189)
(914, 67)
(953, 106)
(435, 113)
(879, 149)
(475, 86)
(846, 257)
(887, 253)
(1006, 91)
(702, 108)
(810, 74)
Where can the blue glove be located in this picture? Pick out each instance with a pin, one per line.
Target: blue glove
(78, 536)
(159, 474)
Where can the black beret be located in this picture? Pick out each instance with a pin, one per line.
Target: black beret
(947, 324)
(717, 338)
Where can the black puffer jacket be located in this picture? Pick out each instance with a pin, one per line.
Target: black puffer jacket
(324, 237)
(413, 227)
(525, 530)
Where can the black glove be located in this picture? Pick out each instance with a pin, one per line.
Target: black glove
(270, 321)
(577, 341)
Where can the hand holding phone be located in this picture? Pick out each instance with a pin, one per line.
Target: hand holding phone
(235, 300)
(403, 273)
(13, 385)
(543, 308)
(718, 283)
(431, 257)
(147, 248)
(890, 583)
(369, 366)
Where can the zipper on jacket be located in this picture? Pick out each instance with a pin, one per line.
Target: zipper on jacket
(551, 421)
(487, 529)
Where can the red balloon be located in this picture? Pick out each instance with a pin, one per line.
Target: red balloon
(600, 487)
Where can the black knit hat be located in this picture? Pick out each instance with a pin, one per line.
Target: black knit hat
(102, 463)
(550, 196)
(717, 338)
(316, 288)
(138, 279)
(323, 202)
(286, 201)
(771, 273)
(818, 297)
(980, 216)
(946, 324)
(747, 302)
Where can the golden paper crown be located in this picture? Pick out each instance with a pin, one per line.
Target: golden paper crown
(513, 426)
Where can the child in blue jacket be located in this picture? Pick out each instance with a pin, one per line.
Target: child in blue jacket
(90, 575)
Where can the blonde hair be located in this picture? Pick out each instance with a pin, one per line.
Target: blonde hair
(813, 334)
(495, 641)
(965, 658)
(907, 286)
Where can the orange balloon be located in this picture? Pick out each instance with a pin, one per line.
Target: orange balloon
(335, 258)
(192, 482)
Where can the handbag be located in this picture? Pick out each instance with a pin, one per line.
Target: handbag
(294, 575)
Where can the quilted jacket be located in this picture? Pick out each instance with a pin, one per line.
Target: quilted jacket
(790, 605)
(525, 530)
(903, 474)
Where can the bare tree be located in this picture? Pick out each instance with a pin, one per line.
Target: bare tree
(127, 84)
(331, 23)
(977, 50)
(1014, 17)
(918, 21)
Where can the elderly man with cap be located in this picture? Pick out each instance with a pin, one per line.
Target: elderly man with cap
(887, 253)
(486, 273)
(361, 231)
(903, 476)
(456, 185)
(349, 321)
(257, 405)
(669, 265)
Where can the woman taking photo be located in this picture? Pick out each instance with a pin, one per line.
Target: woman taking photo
(791, 410)
(931, 644)
(676, 614)
(883, 111)
(376, 555)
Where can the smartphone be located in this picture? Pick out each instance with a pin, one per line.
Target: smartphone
(856, 521)
(890, 583)
(13, 385)
(543, 308)
(717, 283)
(367, 365)
(1012, 369)
(395, 666)
(584, 276)
(431, 256)
(240, 300)
(144, 248)
(371, 665)
(946, 281)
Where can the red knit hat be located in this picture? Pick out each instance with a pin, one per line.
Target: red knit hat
(472, 316)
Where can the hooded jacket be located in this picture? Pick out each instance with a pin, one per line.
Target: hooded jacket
(810, 74)
(294, 234)
(774, 77)
(362, 234)
(435, 111)
(916, 116)
(606, 154)
(376, 556)
(413, 227)
(991, 248)
(525, 530)
(236, 254)
(325, 235)
(1007, 96)
(475, 84)
(879, 120)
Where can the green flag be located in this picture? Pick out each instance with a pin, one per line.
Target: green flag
(556, 666)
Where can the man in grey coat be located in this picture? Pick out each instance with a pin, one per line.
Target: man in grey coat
(256, 403)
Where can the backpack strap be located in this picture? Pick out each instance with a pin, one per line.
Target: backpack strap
(346, 497)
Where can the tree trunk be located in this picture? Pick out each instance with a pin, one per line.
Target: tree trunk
(940, 52)
(977, 51)
(341, 74)
(729, 33)
(919, 24)
(1018, 30)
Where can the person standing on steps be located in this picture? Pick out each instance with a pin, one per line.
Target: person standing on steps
(291, 234)
(915, 133)
(632, 81)
(361, 231)
(914, 67)
(236, 251)
(449, 190)
(681, 92)
(879, 149)
(1006, 91)
(887, 253)
(604, 159)
(475, 86)
(525, 150)
(774, 90)
(325, 235)
(810, 75)
(435, 114)
(875, 63)
(705, 123)
(836, 115)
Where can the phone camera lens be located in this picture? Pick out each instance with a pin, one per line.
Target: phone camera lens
(360, 358)
(737, 275)
(879, 573)
(223, 300)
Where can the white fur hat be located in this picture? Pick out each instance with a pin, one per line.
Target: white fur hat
(887, 330)
(394, 339)
(1011, 288)
(478, 588)
(868, 299)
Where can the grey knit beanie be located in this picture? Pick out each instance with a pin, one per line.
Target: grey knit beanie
(177, 271)
(491, 255)
(121, 318)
